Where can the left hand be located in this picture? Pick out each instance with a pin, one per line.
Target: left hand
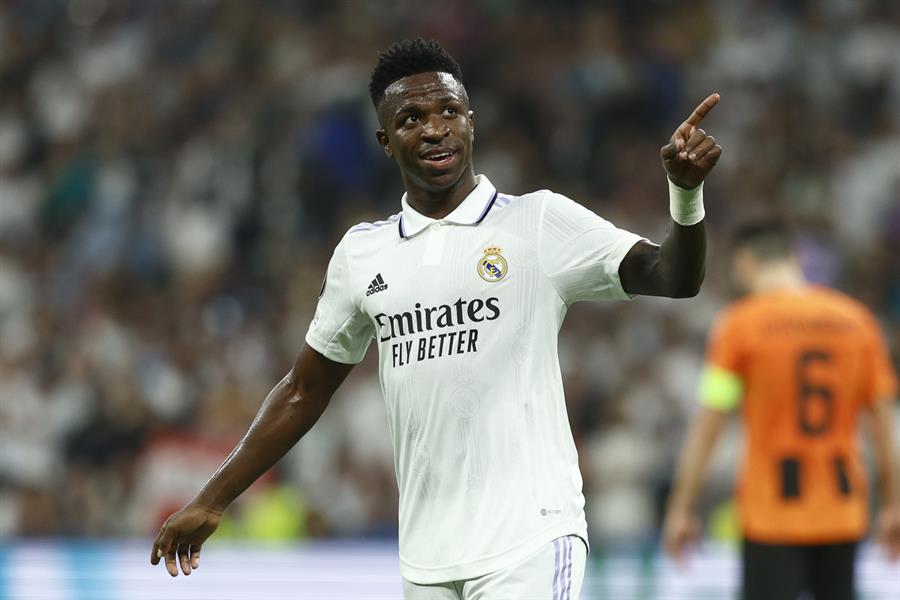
(681, 529)
(691, 154)
(888, 530)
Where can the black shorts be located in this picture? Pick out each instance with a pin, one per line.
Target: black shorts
(780, 572)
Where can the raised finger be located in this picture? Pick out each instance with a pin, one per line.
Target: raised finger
(184, 558)
(171, 567)
(702, 148)
(703, 109)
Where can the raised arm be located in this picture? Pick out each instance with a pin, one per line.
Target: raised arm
(288, 412)
(676, 268)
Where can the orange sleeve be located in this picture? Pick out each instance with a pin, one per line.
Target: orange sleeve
(724, 349)
(883, 378)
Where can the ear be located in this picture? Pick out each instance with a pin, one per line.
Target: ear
(384, 142)
(471, 115)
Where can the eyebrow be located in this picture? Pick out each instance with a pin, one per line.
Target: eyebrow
(410, 106)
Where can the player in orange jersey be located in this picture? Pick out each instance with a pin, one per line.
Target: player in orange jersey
(803, 362)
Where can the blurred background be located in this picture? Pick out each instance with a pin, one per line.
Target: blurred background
(175, 174)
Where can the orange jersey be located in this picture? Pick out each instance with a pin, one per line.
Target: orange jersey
(809, 362)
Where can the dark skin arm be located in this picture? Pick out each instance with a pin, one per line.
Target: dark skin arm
(288, 412)
(676, 268)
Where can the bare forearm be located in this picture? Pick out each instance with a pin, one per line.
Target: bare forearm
(288, 412)
(682, 262)
(700, 441)
(885, 454)
(284, 417)
(675, 269)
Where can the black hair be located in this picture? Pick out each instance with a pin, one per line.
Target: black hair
(768, 240)
(406, 58)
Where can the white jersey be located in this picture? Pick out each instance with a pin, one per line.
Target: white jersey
(466, 312)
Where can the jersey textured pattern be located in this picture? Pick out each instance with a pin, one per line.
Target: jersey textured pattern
(809, 361)
(466, 322)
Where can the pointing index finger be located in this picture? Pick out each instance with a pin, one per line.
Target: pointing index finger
(703, 109)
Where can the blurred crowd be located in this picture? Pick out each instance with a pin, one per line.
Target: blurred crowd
(174, 176)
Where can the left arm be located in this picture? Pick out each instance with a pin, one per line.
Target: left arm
(681, 526)
(888, 526)
(676, 268)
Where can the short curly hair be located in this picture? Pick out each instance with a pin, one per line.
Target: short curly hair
(406, 58)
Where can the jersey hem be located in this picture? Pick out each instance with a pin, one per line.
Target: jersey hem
(803, 540)
(423, 575)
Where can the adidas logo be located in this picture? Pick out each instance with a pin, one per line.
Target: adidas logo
(377, 285)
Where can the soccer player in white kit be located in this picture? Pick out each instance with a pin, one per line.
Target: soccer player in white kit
(463, 292)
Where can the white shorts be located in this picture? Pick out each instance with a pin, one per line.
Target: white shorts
(555, 572)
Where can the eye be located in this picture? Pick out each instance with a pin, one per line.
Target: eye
(411, 120)
(450, 112)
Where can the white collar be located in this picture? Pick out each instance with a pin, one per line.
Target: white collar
(470, 211)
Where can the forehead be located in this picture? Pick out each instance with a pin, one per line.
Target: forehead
(422, 87)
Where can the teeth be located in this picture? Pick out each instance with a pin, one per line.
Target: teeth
(439, 156)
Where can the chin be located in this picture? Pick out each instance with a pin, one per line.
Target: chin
(438, 182)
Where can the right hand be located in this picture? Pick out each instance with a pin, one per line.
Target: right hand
(182, 535)
(680, 530)
(691, 154)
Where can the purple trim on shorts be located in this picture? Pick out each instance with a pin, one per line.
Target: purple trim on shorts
(568, 592)
(556, 569)
(562, 574)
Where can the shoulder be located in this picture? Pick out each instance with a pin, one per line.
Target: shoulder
(520, 212)
(546, 205)
(364, 238)
(511, 202)
(850, 307)
(736, 315)
(545, 197)
(841, 300)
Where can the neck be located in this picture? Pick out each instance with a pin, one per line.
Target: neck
(437, 204)
(783, 277)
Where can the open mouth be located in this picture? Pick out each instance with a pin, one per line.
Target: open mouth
(440, 158)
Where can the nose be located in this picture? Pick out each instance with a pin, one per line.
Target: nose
(435, 129)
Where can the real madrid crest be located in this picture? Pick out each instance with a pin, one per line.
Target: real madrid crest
(492, 266)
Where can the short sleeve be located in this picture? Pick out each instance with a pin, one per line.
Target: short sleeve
(340, 331)
(882, 377)
(722, 381)
(581, 252)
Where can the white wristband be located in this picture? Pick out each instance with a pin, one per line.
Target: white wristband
(686, 206)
